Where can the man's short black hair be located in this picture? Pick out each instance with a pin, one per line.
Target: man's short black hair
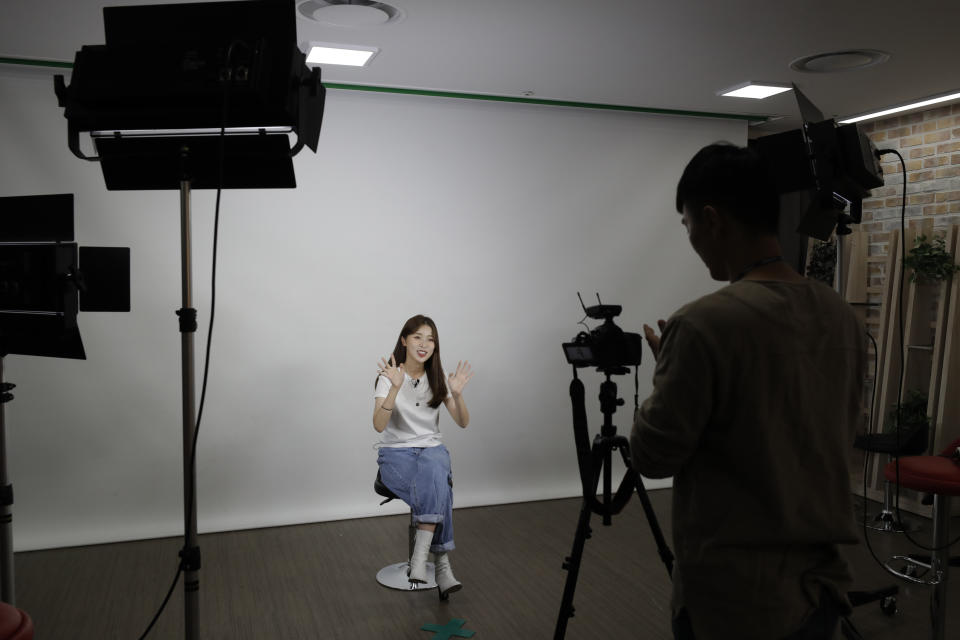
(735, 179)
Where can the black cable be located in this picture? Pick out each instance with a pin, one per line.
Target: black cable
(206, 364)
(866, 456)
(903, 352)
(163, 606)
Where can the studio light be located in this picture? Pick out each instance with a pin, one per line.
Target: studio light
(174, 77)
(45, 279)
(821, 171)
(194, 96)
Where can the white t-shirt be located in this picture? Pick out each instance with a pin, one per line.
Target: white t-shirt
(413, 422)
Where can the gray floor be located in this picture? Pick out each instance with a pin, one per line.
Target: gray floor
(317, 581)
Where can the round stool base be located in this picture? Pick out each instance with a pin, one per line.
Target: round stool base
(887, 522)
(394, 576)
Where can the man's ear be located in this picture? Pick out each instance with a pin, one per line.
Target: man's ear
(713, 221)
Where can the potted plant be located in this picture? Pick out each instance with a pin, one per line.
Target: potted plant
(823, 261)
(911, 418)
(929, 261)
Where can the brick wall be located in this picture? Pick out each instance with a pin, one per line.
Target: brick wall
(929, 142)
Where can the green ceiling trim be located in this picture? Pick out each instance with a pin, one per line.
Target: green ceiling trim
(36, 63)
(542, 101)
(464, 96)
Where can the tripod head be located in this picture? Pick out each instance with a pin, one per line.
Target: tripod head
(609, 400)
(594, 459)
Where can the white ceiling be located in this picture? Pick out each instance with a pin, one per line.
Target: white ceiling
(661, 55)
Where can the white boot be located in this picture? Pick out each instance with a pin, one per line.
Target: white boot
(418, 561)
(446, 583)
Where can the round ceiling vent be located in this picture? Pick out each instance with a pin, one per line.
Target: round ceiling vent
(349, 13)
(840, 61)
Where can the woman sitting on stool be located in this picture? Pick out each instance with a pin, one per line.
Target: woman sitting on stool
(414, 463)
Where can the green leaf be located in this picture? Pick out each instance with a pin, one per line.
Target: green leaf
(929, 260)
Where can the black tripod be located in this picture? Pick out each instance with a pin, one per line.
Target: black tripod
(593, 460)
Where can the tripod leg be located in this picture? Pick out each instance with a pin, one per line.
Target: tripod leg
(572, 566)
(662, 548)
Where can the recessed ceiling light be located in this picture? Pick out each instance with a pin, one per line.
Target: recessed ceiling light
(906, 107)
(340, 54)
(755, 90)
(350, 13)
(840, 61)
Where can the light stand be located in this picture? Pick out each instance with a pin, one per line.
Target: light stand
(42, 289)
(190, 554)
(7, 590)
(162, 123)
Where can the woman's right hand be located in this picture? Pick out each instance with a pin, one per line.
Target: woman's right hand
(393, 372)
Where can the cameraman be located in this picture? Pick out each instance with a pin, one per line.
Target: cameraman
(756, 400)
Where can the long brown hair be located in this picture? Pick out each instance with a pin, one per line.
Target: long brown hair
(438, 382)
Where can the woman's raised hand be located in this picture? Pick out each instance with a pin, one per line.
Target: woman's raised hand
(391, 370)
(459, 379)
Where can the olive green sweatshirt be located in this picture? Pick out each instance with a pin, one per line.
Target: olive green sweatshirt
(756, 400)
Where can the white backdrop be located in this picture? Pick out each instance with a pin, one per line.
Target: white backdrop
(489, 217)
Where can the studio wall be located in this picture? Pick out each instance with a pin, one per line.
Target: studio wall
(489, 217)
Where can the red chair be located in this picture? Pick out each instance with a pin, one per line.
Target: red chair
(940, 476)
(14, 623)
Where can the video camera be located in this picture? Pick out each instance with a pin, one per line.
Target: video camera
(607, 346)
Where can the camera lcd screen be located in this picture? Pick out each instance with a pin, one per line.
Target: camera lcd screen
(578, 354)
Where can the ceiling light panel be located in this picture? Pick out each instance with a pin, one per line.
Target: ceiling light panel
(755, 90)
(341, 55)
(906, 107)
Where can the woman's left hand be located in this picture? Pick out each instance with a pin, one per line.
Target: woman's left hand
(459, 379)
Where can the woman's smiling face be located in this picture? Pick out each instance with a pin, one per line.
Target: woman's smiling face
(420, 344)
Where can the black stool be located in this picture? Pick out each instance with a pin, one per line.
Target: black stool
(893, 445)
(911, 442)
(395, 576)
